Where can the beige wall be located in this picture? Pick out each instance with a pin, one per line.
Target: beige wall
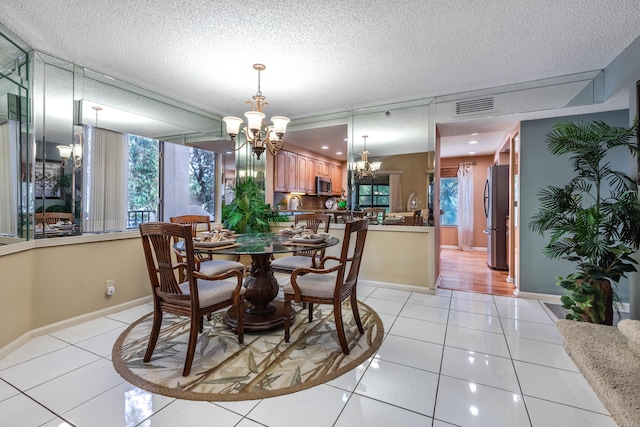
(45, 285)
(449, 235)
(394, 254)
(414, 176)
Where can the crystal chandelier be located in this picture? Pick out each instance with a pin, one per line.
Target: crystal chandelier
(74, 150)
(363, 168)
(258, 134)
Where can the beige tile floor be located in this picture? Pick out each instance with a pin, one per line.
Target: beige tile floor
(455, 358)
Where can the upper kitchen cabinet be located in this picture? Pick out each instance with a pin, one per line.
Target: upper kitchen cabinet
(286, 172)
(295, 172)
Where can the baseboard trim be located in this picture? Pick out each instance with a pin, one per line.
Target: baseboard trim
(15, 344)
(398, 286)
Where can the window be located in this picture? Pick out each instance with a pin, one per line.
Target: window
(449, 201)
(143, 183)
(372, 195)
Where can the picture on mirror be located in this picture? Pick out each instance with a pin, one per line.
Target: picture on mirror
(47, 175)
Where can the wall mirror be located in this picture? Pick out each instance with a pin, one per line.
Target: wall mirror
(15, 203)
(398, 136)
(89, 128)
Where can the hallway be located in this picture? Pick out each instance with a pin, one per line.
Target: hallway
(468, 271)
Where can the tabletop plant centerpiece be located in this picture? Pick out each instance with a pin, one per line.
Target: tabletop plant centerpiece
(593, 220)
(248, 212)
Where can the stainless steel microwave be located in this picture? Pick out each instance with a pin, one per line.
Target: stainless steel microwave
(323, 186)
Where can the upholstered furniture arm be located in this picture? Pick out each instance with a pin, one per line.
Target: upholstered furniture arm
(302, 271)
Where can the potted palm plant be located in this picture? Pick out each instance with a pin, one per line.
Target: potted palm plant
(248, 212)
(593, 220)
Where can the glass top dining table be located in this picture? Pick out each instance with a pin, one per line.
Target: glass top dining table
(263, 311)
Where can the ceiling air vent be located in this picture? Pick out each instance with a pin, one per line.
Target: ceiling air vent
(474, 106)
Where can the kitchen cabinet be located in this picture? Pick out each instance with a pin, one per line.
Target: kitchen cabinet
(286, 171)
(311, 176)
(297, 173)
(335, 173)
(301, 183)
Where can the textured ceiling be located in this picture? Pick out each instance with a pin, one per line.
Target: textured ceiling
(325, 56)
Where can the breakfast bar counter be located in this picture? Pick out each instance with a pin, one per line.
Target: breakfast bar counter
(397, 254)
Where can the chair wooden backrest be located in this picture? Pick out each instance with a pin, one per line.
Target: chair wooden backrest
(351, 255)
(53, 217)
(196, 221)
(417, 217)
(157, 241)
(313, 221)
(374, 213)
(347, 216)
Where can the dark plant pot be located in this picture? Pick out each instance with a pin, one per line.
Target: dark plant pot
(603, 301)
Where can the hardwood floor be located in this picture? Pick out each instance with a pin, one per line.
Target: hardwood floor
(468, 271)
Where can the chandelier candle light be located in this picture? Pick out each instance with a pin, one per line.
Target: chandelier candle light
(66, 151)
(258, 134)
(363, 168)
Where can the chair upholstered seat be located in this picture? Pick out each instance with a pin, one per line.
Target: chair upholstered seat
(292, 262)
(210, 292)
(314, 285)
(218, 266)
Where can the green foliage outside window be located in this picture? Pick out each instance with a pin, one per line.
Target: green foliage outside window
(144, 169)
(202, 178)
(373, 195)
(449, 201)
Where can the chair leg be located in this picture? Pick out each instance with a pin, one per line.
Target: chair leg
(337, 314)
(191, 347)
(356, 313)
(287, 318)
(241, 320)
(201, 324)
(310, 312)
(155, 332)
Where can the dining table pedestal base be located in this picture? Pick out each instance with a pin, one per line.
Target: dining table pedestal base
(262, 312)
(259, 322)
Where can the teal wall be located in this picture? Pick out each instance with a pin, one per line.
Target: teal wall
(539, 168)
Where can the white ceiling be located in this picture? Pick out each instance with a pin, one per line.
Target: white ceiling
(332, 56)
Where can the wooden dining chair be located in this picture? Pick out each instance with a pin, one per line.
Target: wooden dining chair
(307, 257)
(330, 285)
(374, 213)
(205, 263)
(197, 222)
(53, 217)
(198, 295)
(347, 216)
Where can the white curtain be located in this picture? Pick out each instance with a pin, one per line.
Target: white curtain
(465, 207)
(395, 193)
(105, 180)
(9, 178)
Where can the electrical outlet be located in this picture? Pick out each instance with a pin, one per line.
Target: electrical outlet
(110, 287)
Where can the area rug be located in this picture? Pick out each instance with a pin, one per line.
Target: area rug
(264, 366)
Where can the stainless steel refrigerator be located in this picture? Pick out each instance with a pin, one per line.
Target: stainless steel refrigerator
(496, 209)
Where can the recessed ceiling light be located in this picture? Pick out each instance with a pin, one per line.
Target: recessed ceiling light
(472, 152)
(338, 153)
(473, 142)
(475, 133)
(325, 147)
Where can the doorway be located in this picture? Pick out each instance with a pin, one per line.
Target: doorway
(468, 270)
